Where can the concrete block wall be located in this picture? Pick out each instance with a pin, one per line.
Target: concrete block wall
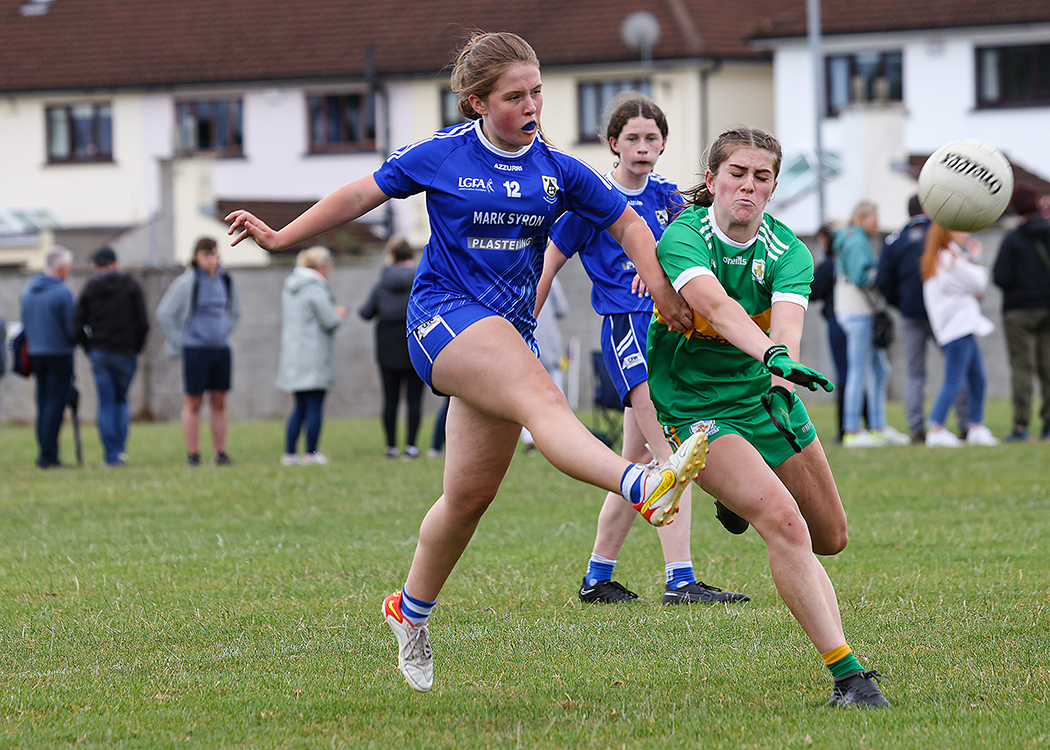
(156, 392)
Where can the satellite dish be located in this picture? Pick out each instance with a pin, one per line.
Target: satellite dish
(640, 30)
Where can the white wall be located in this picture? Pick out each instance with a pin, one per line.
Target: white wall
(276, 165)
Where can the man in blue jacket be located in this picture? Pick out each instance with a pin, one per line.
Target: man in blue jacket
(900, 282)
(47, 316)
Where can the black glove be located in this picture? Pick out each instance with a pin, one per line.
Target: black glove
(781, 365)
(778, 402)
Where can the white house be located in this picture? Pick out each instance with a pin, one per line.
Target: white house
(138, 124)
(902, 79)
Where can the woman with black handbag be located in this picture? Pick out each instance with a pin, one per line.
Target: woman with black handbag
(857, 302)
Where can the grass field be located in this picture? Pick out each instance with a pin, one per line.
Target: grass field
(161, 606)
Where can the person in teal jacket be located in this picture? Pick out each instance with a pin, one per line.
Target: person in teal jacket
(309, 319)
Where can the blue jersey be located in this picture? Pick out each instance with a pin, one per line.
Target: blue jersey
(490, 214)
(611, 271)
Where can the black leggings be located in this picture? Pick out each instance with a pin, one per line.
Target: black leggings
(392, 380)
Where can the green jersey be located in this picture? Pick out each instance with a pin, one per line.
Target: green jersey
(699, 375)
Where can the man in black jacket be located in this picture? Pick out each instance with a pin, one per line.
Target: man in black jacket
(111, 323)
(1022, 271)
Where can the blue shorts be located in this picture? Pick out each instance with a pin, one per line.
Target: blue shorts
(623, 349)
(206, 370)
(431, 337)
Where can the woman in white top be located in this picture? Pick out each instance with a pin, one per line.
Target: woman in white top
(952, 285)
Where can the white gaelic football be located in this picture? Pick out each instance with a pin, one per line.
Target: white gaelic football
(965, 185)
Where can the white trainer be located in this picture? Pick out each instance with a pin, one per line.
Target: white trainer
(861, 439)
(942, 438)
(414, 658)
(289, 459)
(980, 435)
(314, 458)
(892, 436)
(664, 483)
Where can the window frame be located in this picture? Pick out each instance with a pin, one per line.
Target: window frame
(366, 111)
(604, 91)
(101, 131)
(887, 59)
(1003, 70)
(448, 101)
(234, 126)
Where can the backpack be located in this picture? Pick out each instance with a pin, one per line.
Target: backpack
(20, 361)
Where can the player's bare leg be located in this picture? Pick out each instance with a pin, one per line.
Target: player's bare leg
(808, 478)
(738, 477)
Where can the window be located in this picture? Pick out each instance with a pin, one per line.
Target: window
(1013, 76)
(213, 126)
(595, 96)
(450, 108)
(870, 76)
(342, 122)
(80, 133)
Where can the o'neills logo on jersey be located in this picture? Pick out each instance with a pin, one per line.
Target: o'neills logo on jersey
(758, 269)
(734, 261)
(550, 188)
(475, 183)
(499, 243)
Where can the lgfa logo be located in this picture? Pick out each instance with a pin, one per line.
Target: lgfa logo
(475, 183)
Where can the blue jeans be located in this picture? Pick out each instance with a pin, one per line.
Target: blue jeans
(962, 361)
(309, 409)
(54, 378)
(113, 373)
(868, 369)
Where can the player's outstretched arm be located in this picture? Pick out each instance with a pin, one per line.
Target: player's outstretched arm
(708, 297)
(345, 204)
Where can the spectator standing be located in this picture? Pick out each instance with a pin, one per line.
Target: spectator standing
(111, 324)
(47, 306)
(197, 314)
(388, 304)
(952, 285)
(309, 319)
(900, 282)
(856, 301)
(823, 290)
(1022, 271)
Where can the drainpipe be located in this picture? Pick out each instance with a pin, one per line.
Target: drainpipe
(712, 66)
(378, 93)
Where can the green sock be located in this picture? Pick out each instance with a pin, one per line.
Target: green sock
(845, 666)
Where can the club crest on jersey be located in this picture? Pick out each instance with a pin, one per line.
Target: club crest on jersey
(661, 216)
(550, 188)
(758, 269)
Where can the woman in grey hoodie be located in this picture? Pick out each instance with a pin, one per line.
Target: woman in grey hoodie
(309, 319)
